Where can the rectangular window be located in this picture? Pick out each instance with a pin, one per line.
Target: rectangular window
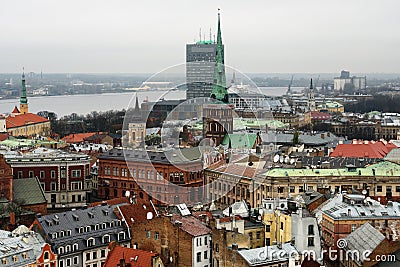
(388, 189)
(310, 242)
(291, 189)
(53, 174)
(310, 188)
(76, 173)
(205, 241)
(205, 255)
(31, 174)
(148, 234)
(20, 175)
(63, 174)
(379, 188)
(301, 189)
(268, 241)
(268, 228)
(353, 227)
(115, 171)
(124, 172)
(94, 255)
(311, 230)
(198, 256)
(68, 262)
(53, 186)
(103, 253)
(43, 185)
(42, 176)
(258, 234)
(76, 260)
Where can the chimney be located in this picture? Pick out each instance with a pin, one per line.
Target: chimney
(122, 263)
(349, 212)
(266, 128)
(328, 134)
(12, 218)
(323, 136)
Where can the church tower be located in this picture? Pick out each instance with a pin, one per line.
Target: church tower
(219, 90)
(311, 98)
(23, 101)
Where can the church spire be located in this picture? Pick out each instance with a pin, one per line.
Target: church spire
(311, 98)
(219, 90)
(23, 101)
(137, 110)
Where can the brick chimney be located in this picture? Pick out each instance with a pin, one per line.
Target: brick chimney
(12, 218)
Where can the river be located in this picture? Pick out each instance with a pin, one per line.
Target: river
(84, 104)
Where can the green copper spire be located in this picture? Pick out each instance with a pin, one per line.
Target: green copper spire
(23, 99)
(219, 90)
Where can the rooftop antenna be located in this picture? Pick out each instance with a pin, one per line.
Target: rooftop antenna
(214, 38)
(210, 34)
(204, 37)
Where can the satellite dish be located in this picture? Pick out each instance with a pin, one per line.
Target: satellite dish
(149, 215)
(127, 194)
(287, 160)
(276, 158)
(364, 192)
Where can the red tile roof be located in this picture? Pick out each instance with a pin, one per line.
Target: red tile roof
(18, 120)
(198, 214)
(316, 115)
(137, 212)
(3, 136)
(136, 257)
(364, 149)
(77, 138)
(15, 110)
(234, 169)
(228, 219)
(191, 225)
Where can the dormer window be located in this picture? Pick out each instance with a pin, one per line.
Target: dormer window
(67, 248)
(91, 215)
(76, 217)
(60, 250)
(69, 232)
(105, 212)
(87, 228)
(62, 234)
(15, 258)
(97, 227)
(121, 236)
(75, 247)
(104, 225)
(90, 242)
(106, 239)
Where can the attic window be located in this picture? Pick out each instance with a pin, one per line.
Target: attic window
(91, 215)
(76, 217)
(105, 212)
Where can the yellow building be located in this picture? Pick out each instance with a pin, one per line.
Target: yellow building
(278, 227)
(331, 107)
(23, 123)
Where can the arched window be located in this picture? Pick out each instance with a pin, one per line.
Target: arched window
(61, 250)
(106, 239)
(90, 242)
(46, 255)
(121, 236)
(75, 247)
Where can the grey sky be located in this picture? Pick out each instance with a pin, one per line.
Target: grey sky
(146, 36)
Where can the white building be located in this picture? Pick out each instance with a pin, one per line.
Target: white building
(358, 83)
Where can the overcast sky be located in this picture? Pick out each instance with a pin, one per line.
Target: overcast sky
(128, 36)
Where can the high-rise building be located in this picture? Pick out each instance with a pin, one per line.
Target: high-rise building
(201, 63)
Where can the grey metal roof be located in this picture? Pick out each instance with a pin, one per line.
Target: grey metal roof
(365, 238)
(370, 209)
(28, 191)
(307, 139)
(93, 222)
(26, 247)
(269, 254)
(171, 156)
